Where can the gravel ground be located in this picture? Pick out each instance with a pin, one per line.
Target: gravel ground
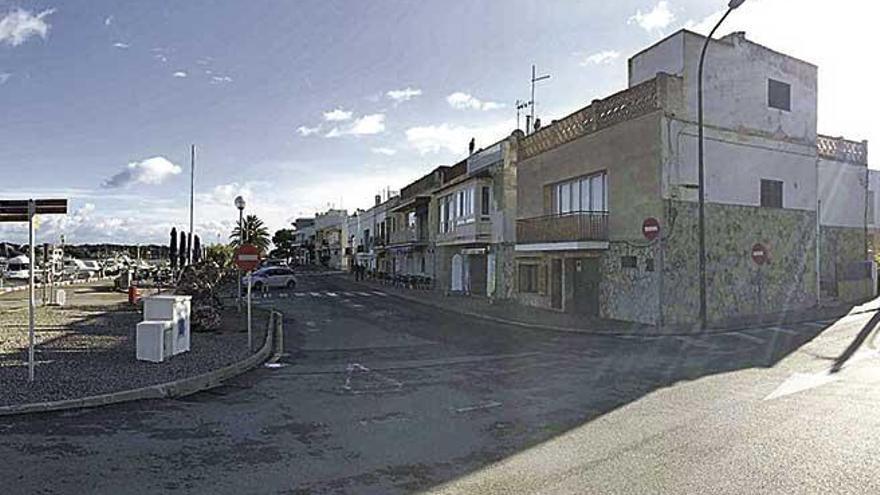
(87, 349)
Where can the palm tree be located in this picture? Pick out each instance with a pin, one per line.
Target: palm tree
(255, 233)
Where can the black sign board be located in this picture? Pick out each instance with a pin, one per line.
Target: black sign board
(16, 210)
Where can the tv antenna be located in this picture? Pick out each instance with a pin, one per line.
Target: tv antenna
(531, 103)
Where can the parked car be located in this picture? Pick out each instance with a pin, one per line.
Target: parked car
(271, 277)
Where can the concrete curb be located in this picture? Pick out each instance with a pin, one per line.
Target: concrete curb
(597, 333)
(177, 388)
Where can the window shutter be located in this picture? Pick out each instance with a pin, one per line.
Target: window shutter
(542, 278)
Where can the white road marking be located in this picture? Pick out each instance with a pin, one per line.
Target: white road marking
(299, 294)
(365, 294)
(815, 324)
(283, 294)
(332, 294)
(798, 382)
(782, 330)
(747, 337)
(378, 293)
(315, 294)
(348, 294)
(695, 342)
(478, 407)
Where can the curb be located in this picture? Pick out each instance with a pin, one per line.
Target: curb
(176, 388)
(603, 333)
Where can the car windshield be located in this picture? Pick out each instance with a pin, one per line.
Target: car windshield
(442, 247)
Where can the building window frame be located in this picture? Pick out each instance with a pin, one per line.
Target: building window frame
(772, 193)
(778, 95)
(527, 278)
(582, 194)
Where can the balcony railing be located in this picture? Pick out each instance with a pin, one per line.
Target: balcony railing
(565, 227)
(842, 150)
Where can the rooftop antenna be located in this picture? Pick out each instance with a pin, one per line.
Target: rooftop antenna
(530, 119)
(520, 105)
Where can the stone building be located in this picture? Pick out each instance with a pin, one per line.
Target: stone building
(607, 196)
(331, 238)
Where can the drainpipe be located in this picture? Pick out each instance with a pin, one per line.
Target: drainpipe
(818, 239)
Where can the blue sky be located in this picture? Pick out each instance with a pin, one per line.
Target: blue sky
(299, 105)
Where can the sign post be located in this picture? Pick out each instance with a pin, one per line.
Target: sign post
(24, 211)
(247, 257)
(759, 254)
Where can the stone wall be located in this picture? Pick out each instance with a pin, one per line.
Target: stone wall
(736, 285)
(838, 247)
(630, 294)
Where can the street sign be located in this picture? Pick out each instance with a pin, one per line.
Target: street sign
(247, 257)
(759, 254)
(650, 228)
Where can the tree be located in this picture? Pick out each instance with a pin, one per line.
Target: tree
(283, 240)
(172, 249)
(255, 233)
(196, 249)
(182, 252)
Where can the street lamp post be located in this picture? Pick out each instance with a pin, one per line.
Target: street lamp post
(240, 204)
(701, 181)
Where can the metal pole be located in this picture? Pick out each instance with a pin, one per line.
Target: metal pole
(31, 209)
(192, 181)
(250, 334)
(701, 181)
(533, 99)
(240, 243)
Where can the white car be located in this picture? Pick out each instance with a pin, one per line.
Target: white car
(270, 277)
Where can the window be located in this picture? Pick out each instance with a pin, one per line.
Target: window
(779, 95)
(528, 278)
(411, 219)
(771, 193)
(582, 194)
(649, 264)
(629, 262)
(484, 201)
(447, 210)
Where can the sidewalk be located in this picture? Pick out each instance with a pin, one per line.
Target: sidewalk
(512, 313)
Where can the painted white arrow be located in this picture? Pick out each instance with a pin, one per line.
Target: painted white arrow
(798, 382)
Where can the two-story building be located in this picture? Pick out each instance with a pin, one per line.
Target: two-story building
(607, 196)
(304, 241)
(409, 242)
(473, 215)
(331, 237)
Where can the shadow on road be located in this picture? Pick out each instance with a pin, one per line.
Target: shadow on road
(856, 344)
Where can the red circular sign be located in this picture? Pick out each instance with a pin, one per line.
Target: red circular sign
(759, 253)
(247, 257)
(650, 228)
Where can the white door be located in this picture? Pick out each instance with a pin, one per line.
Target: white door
(456, 283)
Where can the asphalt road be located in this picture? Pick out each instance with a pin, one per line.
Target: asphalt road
(381, 395)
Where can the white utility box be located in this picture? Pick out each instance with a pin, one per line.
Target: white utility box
(154, 339)
(173, 308)
(60, 297)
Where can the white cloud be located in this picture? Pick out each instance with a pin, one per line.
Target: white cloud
(307, 131)
(160, 57)
(180, 73)
(384, 151)
(368, 124)
(18, 25)
(150, 171)
(121, 45)
(108, 20)
(335, 132)
(401, 95)
(337, 115)
(4, 76)
(455, 138)
(220, 79)
(599, 58)
(464, 101)
(656, 19)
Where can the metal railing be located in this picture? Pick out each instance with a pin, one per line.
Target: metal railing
(563, 227)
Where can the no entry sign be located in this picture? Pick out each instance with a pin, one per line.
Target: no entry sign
(247, 257)
(759, 253)
(650, 228)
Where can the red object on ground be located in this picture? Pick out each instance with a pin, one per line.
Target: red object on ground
(759, 253)
(247, 257)
(133, 294)
(651, 228)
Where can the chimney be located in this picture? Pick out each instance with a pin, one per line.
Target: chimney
(537, 124)
(378, 199)
(471, 146)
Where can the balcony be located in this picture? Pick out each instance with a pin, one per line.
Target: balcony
(567, 227)
(411, 235)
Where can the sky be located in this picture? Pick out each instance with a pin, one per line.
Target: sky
(300, 106)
